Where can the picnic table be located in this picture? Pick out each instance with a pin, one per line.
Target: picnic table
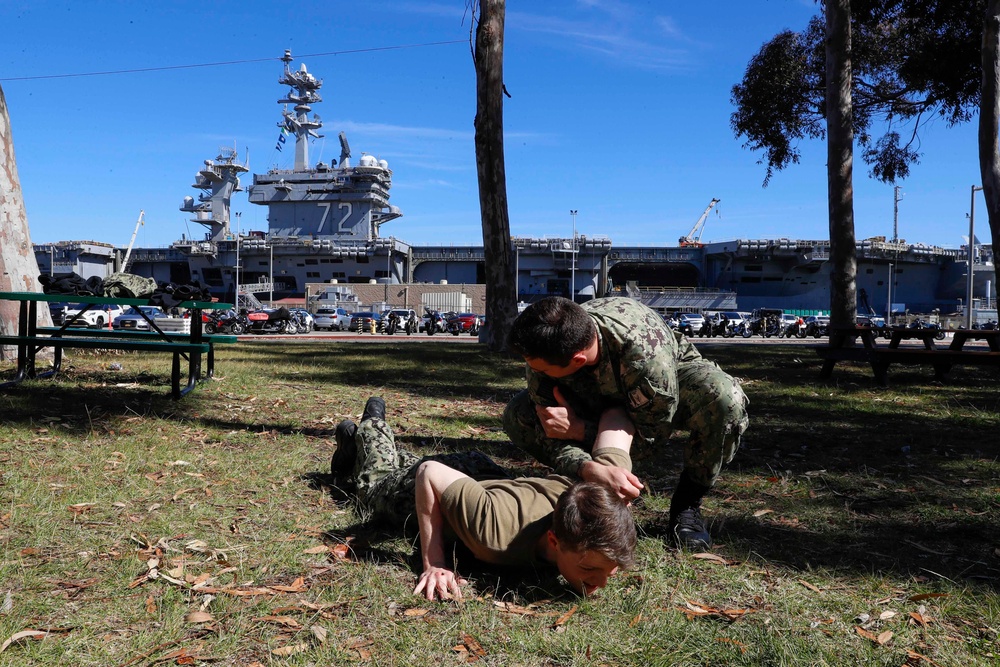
(843, 347)
(31, 338)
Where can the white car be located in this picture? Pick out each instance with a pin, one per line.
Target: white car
(94, 317)
(133, 319)
(331, 319)
(694, 320)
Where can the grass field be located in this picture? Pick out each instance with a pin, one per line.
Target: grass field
(857, 526)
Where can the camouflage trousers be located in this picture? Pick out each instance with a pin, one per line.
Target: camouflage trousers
(711, 405)
(385, 476)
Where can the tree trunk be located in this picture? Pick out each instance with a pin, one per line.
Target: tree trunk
(18, 268)
(989, 116)
(501, 297)
(840, 165)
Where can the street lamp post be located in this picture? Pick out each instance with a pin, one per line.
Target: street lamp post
(888, 305)
(972, 252)
(388, 270)
(238, 218)
(517, 271)
(572, 273)
(270, 269)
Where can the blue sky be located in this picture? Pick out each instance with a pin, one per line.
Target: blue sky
(619, 110)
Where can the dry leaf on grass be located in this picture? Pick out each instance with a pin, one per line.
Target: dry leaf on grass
(715, 558)
(416, 612)
(321, 549)
(199, 617)
(760, 513)
(694, 610)
(512, 608)
(927, 596)
(565, 617)
(286, 621)
(811, 587)
(319, 632)
(472, 645)
(913, 658)
(21, 636)
(880, 639)
(292, 649)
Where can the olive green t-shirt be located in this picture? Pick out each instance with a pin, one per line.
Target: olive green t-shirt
(500, 521)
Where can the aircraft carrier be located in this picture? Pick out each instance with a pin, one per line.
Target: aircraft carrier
(323, 228)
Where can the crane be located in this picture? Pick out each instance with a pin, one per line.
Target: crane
(693, 237)
(128, 253)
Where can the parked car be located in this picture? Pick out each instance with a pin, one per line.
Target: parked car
(95, 317)
(133, 319)
(735, 318)
(331, 319)
(362, 321)
(692, 320)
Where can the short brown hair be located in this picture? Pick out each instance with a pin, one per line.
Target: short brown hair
(591, 517)
(553, 329)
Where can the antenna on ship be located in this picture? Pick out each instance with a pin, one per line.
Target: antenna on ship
(897, 196)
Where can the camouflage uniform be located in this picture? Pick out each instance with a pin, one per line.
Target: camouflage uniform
(657, 375)
(385, 476)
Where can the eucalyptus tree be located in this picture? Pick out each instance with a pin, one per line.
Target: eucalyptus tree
(909, 61)
(18, 267)
(501, 297)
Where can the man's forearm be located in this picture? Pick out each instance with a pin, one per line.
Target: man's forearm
(430, 523)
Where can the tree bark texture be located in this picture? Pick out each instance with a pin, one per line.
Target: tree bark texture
(18, 268)
(501, 293)
(989, 117)
(840, 164)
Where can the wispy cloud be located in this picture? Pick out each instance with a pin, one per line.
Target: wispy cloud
(404, 132)
(620, 39)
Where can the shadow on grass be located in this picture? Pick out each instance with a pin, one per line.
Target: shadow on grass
(874, 438)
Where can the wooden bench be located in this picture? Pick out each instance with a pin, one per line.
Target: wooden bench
(131, 334)
(31, 338)
(880, 358)
(58, 343)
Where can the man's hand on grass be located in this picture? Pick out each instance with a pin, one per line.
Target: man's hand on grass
(439, 583)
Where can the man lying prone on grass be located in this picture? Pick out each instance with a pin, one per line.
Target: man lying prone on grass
(584, 529)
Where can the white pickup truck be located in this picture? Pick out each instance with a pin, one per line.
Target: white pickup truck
(95, 318)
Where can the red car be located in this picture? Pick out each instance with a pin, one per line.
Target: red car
(464, 323)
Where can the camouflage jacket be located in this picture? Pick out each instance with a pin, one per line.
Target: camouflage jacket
(637, 369)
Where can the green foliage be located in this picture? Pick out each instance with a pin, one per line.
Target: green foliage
(910, 59)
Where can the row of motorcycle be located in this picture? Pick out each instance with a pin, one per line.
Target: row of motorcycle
(278, 321)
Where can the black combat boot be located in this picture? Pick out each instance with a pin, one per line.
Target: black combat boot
(342, 464)
(374, 409)
(686, 525)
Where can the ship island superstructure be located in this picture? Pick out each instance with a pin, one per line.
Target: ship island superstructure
(324, 225)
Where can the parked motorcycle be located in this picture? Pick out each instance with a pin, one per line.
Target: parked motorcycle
(794, 329)
(226, 322)
(278, 321)
(436, 323)
(771, 326)
(920, 324)
(985, 326)
(389, 324)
